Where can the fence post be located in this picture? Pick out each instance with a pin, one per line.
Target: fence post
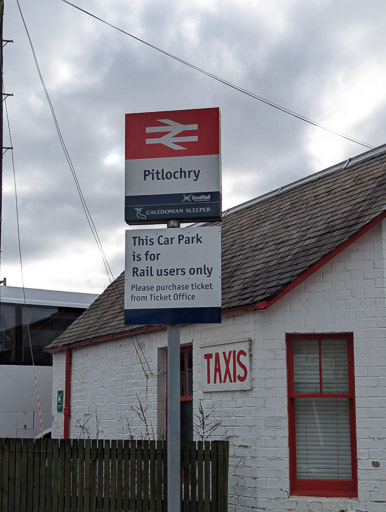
(223, 462)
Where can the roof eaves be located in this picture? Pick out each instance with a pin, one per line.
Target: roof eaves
(143, 329)
(269, 301)
(320, 263)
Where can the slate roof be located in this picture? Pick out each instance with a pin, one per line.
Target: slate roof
(269, 242)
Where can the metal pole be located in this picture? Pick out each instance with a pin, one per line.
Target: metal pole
(173, 414)
(174, 420)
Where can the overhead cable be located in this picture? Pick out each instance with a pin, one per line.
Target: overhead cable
(68, 158)
(90, 221)
(226, 82)
(22, 277)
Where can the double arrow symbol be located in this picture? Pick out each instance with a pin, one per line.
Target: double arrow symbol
(172, 129)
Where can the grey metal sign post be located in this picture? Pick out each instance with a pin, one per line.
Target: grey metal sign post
(173, 412)
(174, 420)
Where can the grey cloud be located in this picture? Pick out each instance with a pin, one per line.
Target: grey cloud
(295, 66)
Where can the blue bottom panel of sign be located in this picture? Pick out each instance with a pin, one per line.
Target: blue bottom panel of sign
(158, 213)
(172, 316)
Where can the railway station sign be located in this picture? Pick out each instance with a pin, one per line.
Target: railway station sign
(173, 276)
(172, 166)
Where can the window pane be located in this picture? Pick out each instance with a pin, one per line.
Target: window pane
(45, 325)
(189, 380)
(334, 366)
(323, 449)
(186, 373)
(7, 334)
(187, 421)
(182, 374)
(306, 366)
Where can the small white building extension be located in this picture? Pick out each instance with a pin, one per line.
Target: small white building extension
(294, 377)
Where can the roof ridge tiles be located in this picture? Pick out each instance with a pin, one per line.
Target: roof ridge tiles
(350, 162)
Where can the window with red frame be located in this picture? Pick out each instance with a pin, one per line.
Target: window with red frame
(321, 402)
(186, 380)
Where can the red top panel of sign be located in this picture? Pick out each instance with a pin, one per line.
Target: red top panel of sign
(173, 133)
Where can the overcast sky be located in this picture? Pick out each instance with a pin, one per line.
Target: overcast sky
(324, 59)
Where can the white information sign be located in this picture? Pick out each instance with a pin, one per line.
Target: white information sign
(173, 276)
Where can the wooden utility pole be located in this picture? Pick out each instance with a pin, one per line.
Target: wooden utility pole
(3, 96)
(1, 117)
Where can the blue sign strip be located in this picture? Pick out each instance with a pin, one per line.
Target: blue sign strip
(172, 316)
(184, 212)
(166, 199)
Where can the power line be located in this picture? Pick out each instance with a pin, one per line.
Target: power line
(67, 155)
(22, 276)
(226, 82)
(142, 357)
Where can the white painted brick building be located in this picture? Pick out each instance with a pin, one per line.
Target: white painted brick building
(317, 365)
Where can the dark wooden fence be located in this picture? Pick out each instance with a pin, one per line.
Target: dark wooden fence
(52, 475)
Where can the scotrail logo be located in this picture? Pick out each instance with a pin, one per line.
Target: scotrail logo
(192, 198)
(172, 129)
